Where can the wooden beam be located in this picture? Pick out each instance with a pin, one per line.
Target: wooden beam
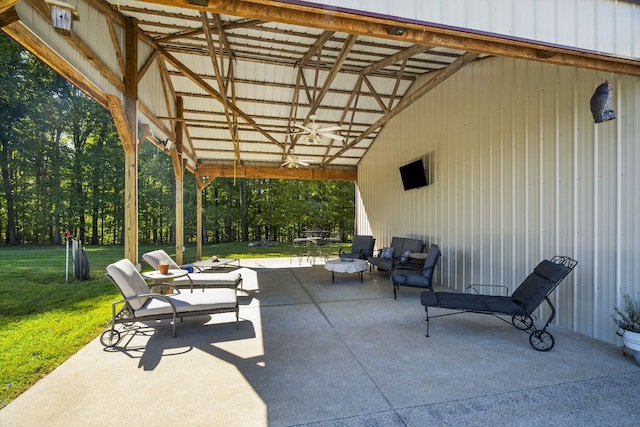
(344, 53)
(8, 16)
(198, 219)
(122, 123)
(178, 172)
(209, 89)
(409, 99)
(5, 5)
(131, 156)
(298, 13)
(390, 60)
(324, 37)
(115, 41)
(81, 46)
(227, 171)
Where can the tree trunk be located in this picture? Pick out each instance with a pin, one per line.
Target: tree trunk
(244, 211)
(10, 233)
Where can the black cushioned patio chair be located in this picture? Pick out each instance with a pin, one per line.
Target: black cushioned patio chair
(361, 248)
(400, 246)
(520, 305)
(417, 278)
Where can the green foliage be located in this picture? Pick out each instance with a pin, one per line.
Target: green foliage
(628, 318)
(63, 169)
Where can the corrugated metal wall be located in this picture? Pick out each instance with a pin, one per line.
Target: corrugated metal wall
(595, 25)
(91, 19)
(519, 172)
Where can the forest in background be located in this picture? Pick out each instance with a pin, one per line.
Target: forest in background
(62, 169)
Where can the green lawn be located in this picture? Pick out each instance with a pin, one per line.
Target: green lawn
(44, 321)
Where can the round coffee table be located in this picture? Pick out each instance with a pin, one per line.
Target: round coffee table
(346, 265)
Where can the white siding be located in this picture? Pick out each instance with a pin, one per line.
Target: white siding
(45, 32)
(519, 172)
(607, 26)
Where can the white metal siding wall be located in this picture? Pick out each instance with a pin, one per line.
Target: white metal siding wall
(91, 26)
(519, 172)
(595, 25)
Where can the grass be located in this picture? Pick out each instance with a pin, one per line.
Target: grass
(44, 321)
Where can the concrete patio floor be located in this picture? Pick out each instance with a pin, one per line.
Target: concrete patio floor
(309, 352)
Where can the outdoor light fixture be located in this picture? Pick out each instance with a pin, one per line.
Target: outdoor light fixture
(62, 16)
(600, 102)
(397, 31)
(168, 144)
(203, 3)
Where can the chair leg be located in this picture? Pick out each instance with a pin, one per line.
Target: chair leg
(394, 291)
(426, 309)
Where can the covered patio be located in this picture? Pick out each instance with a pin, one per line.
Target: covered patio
(309, 352)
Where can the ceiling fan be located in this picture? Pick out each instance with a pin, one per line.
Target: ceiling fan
(314, 133)
(292, 161)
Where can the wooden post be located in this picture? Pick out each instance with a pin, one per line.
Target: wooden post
(198, 219)
(131, 153)
(178, 171)
(200, 185)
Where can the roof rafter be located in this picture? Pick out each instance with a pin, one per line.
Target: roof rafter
(437, 79)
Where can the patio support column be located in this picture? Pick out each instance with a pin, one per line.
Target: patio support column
(130, 140)
(178, 171)
(200, 185)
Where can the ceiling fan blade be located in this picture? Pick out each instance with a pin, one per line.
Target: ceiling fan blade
(329, 129)
(334, 136)
(302, 127)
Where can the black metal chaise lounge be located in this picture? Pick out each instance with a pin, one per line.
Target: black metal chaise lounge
(535, 289)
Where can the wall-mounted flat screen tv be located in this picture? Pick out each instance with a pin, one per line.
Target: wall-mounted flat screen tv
(413, 175)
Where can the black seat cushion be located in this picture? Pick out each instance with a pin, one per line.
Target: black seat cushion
(472, 302)
(538, 284)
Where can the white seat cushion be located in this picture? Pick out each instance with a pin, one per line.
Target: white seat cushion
(212, 299)
(222, 280)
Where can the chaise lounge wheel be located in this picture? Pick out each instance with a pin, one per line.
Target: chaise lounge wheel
(524, 323)
(541, 340)
(109, 338)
